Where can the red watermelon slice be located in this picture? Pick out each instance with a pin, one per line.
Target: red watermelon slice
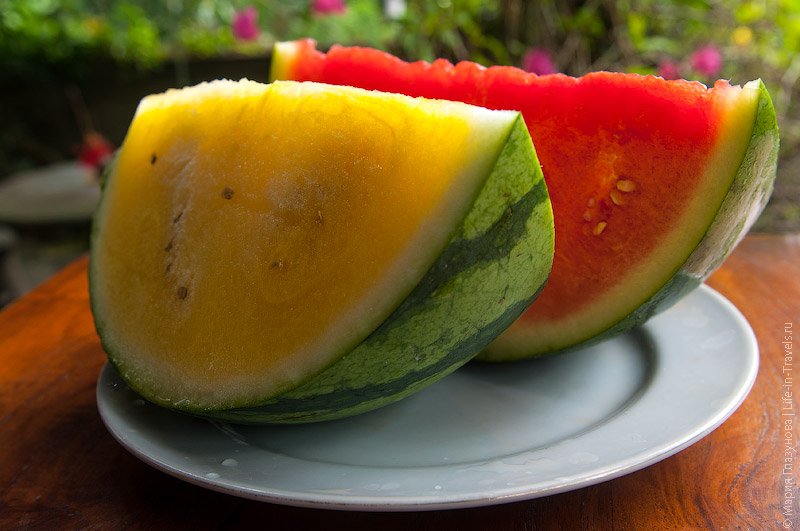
(652, 182)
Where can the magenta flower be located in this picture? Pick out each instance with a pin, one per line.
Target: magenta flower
(707, 60)
(538, 61)
(669, 70)
(328, 7)
(245, 24)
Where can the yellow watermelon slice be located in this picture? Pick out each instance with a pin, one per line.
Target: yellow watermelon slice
(298, 252)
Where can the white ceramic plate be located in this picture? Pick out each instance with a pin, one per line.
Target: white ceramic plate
(486, 434)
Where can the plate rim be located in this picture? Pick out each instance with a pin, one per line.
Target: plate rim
(614, 469)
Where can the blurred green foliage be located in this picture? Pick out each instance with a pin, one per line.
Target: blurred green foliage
(63, 37)
(582, 35)
(757, 38)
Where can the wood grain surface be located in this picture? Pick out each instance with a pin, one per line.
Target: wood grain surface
(61, 469)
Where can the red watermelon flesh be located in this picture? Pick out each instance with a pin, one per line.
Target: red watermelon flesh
(638, 170)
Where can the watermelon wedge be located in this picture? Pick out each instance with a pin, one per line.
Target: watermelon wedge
(299, 252)
(653, 182)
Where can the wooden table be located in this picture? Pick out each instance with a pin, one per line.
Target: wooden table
(61, 469)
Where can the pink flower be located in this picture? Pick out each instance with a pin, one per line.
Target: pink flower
(669, 70)
(707, 60)
(245, 24)
(328, 7)
(95, 151)
(538, 61)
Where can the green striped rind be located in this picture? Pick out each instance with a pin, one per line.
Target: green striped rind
(492, 269)
(680, 285)
(748, 195)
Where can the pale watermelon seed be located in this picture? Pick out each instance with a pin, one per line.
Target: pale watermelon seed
(599, 228)
(625, 185)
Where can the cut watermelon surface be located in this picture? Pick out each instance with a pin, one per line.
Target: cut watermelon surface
(652, 182)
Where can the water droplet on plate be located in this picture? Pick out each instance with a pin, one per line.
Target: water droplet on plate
(583, 458)
(635, 437)
(719, 340)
